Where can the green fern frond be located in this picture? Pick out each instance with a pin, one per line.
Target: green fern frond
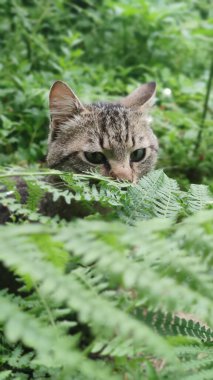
(168, 324)
(154, 195)
(35, 194)
(65, 288)
(194, 363)
(198, 197)
(24, 327)
(122, 283)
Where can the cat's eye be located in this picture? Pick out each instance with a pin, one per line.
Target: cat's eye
(96, 158)
(138, 155)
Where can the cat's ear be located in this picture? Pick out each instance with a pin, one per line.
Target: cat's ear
(63, 103)
(142, 98)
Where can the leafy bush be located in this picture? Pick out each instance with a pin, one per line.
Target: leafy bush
(113, 46)
(103, 289)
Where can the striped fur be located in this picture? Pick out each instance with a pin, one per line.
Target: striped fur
(115, 129)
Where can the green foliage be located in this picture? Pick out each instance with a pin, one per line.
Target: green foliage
(125, 293)
(154, 195)
(101, 289)
(167, 41)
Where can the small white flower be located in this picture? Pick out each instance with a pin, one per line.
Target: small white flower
(167, 92)
(8, 193)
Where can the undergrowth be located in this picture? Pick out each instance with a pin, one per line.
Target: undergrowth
(125, 295)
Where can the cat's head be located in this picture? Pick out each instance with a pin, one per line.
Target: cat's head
(114, 139)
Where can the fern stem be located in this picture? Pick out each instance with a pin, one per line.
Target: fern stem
(28, 174)
(43, 301)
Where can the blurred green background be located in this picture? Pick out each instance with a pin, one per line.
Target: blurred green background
(104, 49)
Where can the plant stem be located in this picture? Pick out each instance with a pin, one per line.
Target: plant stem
(205, 107)
(48, 311)
(28, 174)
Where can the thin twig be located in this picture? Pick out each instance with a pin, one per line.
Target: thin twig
(205, 107)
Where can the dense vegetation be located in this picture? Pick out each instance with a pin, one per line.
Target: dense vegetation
(105, 51)
(126, 292)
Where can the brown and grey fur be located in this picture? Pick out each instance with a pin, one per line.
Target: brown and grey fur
(114, 129)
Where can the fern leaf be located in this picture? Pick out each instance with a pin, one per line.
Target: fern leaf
(198, 197)
(168, 324)
(22, 326)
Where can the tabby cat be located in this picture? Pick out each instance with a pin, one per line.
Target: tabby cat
(114, 139)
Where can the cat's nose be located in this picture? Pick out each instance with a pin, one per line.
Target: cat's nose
(122, 173)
